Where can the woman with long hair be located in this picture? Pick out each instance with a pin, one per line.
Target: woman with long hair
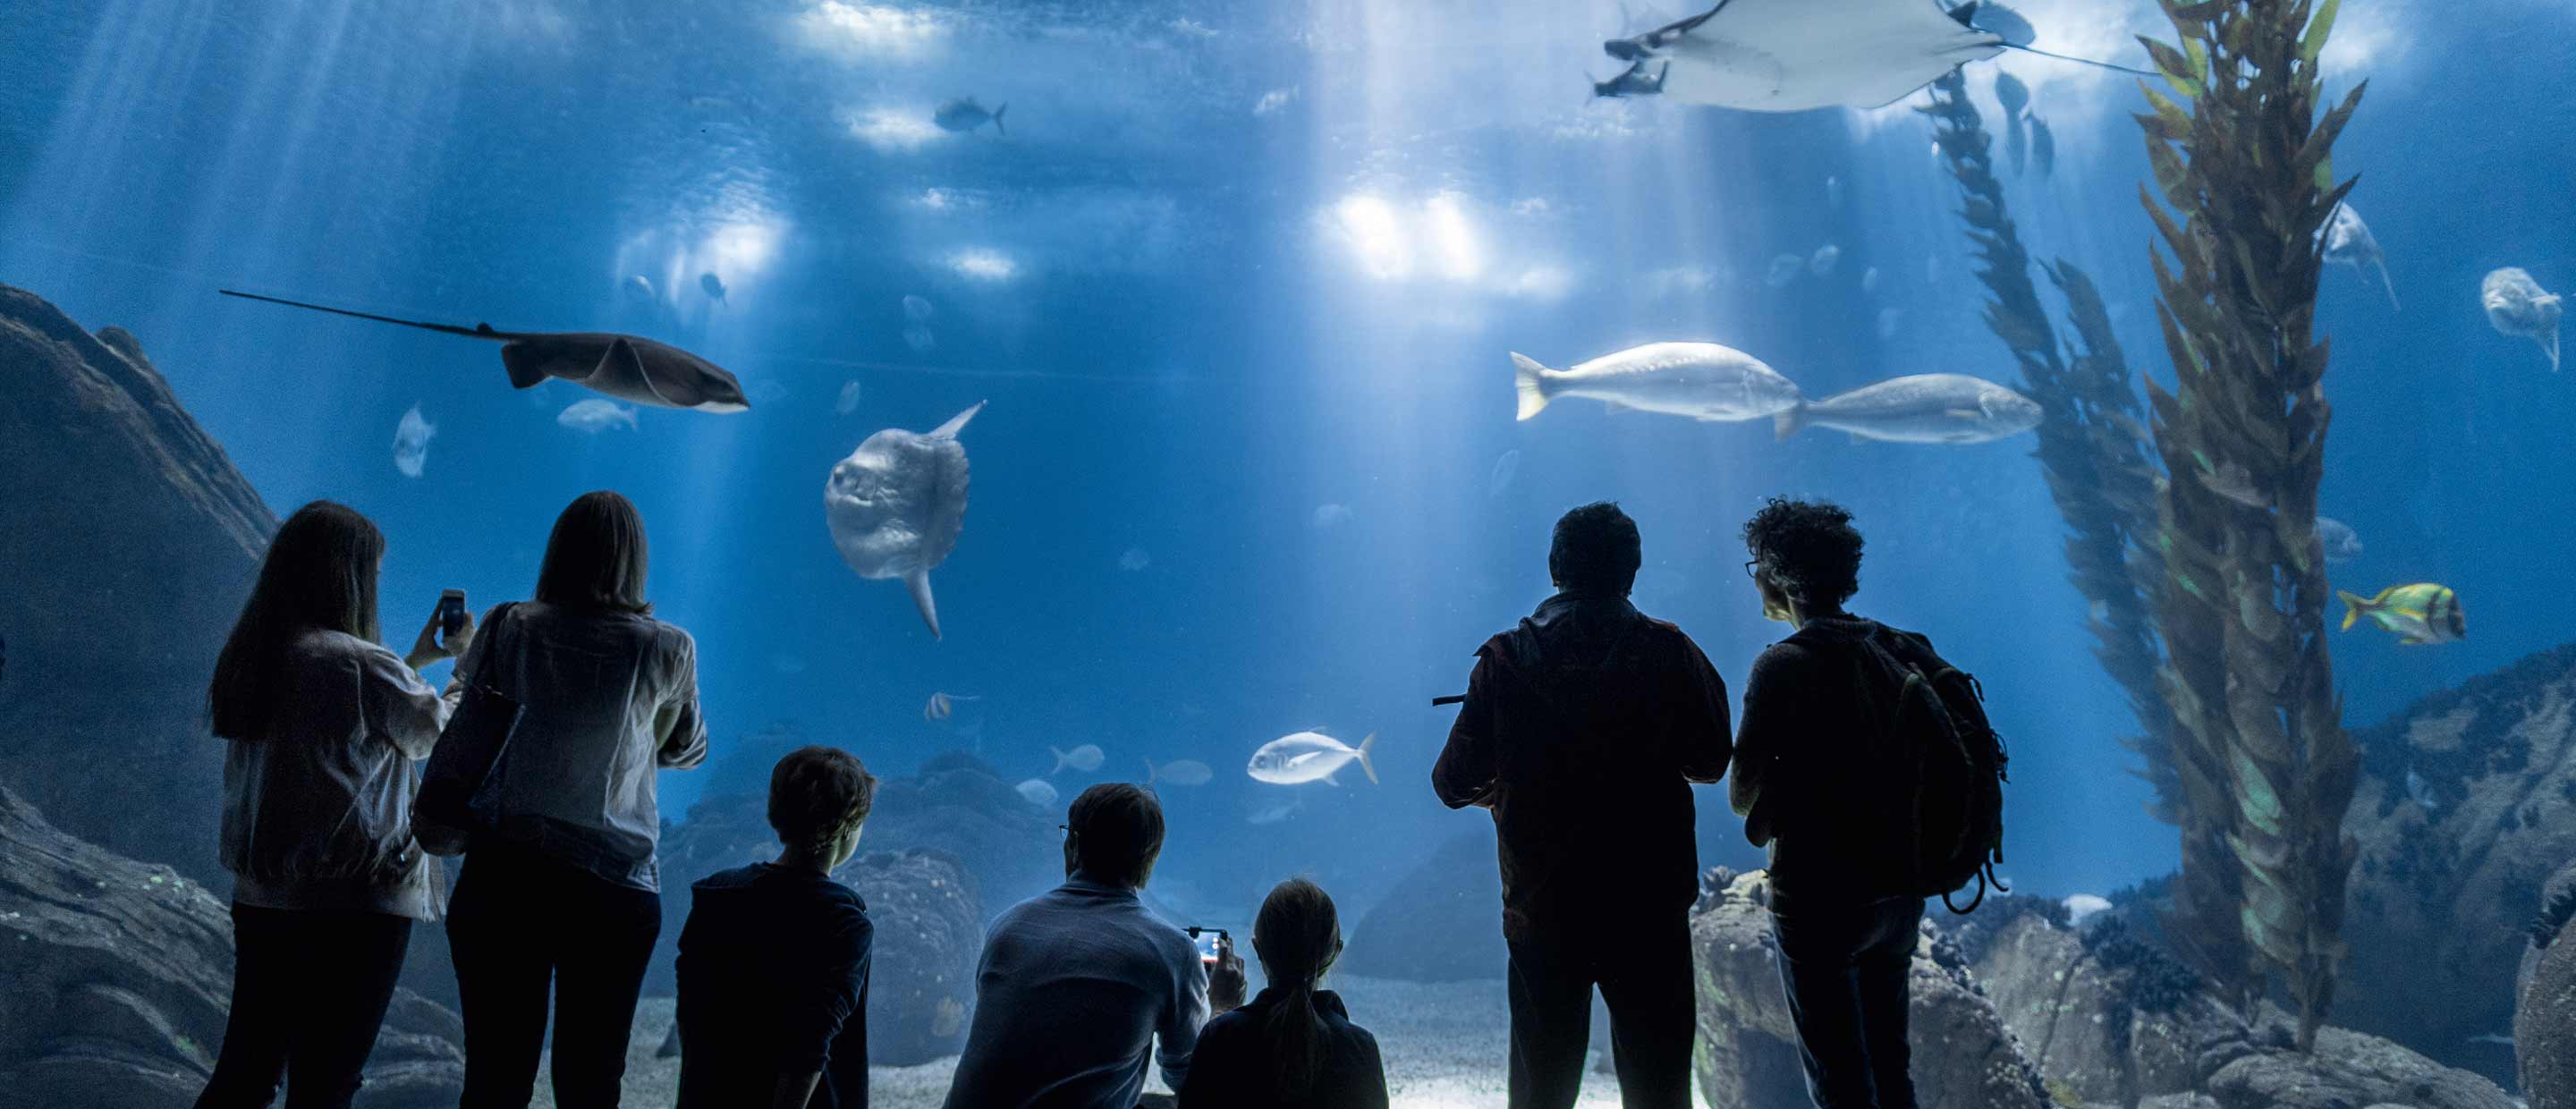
(321, 726)
(560, 894)
(1294, 1046)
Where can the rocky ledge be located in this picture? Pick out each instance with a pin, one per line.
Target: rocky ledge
(119, 979)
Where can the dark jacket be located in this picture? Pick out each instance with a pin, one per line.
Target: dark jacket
(1236, 1069)
(773, 971)
(1812, 778)
(1583, 730)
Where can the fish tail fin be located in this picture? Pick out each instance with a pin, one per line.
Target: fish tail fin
(2353, 607)
(919, 581)
(998, 129)
(1528, 380)
(1149, 772)
(2550, 344)
(521, 362)
(1367, 767)
(2389, 285)
(1059, 762)
(1787, 423)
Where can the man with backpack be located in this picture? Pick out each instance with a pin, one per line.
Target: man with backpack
(1866, 767)
(1583, 731)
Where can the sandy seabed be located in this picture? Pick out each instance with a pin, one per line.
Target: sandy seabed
(1444, 1045)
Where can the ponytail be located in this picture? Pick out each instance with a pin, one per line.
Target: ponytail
(1297, 936)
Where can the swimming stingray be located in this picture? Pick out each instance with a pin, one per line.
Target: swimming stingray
(1793, 55)
(2345, 240)
(629, 367)
(896, 505)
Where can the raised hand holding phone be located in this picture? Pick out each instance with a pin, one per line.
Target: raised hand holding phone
(449, 630)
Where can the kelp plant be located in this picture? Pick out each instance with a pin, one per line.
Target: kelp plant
(2243, 164)
(2092, 435)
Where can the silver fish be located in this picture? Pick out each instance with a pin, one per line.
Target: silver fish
(2517, 305)
(1925, 408)
(2346, 241)
(1302, 757)
(1703, 381)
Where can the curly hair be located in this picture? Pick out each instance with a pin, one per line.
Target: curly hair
(1595, 550)
(1807, 548)
(817, 794)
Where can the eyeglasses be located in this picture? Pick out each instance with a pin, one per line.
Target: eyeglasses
(1752, 567)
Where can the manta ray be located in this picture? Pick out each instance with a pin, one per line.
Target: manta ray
(629, 367)
(896, 505)
(1795, 55)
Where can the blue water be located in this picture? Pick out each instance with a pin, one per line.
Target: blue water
(1232, 264)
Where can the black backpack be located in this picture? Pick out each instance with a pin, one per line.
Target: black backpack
(1948, 779)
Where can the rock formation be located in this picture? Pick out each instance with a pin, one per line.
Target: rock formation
(128, 541)
(2544, 1021)
(1446, 924)
(2467, 805)
(1747, 1056)
(119, 978)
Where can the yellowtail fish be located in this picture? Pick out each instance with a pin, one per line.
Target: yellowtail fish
(2420, 613)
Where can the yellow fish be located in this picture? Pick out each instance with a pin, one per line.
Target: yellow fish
(2420, 613)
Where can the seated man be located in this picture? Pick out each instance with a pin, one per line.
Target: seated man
(773, 962)
(1076, 983)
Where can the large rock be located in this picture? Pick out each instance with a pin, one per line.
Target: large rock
(2348, 1070)
(1746, 1056)
(119, 977)
(2105, 1018)
(128, 542)
(2467, 805)
(1445, 923)
(2544, 1020)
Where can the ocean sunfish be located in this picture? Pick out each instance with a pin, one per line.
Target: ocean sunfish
(1303, 757)
(967, 115)
(2517, 305)
(628, 367)
(1704, 381)
(895, 506)
(2346, 241)
(1925, 408)
(1793, 55)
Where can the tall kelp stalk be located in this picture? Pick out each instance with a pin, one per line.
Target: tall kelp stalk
(2092, 436)
(2243, 160)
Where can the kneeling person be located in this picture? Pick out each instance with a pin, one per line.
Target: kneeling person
(773, 962)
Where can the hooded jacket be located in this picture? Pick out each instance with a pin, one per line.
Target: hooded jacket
(1583, 730)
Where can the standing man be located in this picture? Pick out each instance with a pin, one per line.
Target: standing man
(1816, 780)
(1583, 730)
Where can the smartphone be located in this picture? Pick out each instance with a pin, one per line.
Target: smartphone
(1207, 938)
(451, 612)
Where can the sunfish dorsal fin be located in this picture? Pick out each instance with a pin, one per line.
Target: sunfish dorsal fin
(956, 424)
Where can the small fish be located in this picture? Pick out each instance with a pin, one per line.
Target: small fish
(1506, 468)
(1822, 262)
(1273, 812)
(1085, 758)
(916, 309)
(1869, 280)
(943, 705)
(2341, 543)
(1179, 772)
(2043, 147)
(595, 415)
(1331, 516)
(639, 287)
(849, 401)
(967, 115)
(1887, 321)
(2346, 241)
(2421, 613)
(713, 286)
(2011, 93)
(1703, 381)
(2421, 792)
(1784, 269)
(1924, 408)
(1304, 757)
(1038, 792)
(411, 442)
(1135, 559)
(2517, 305)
